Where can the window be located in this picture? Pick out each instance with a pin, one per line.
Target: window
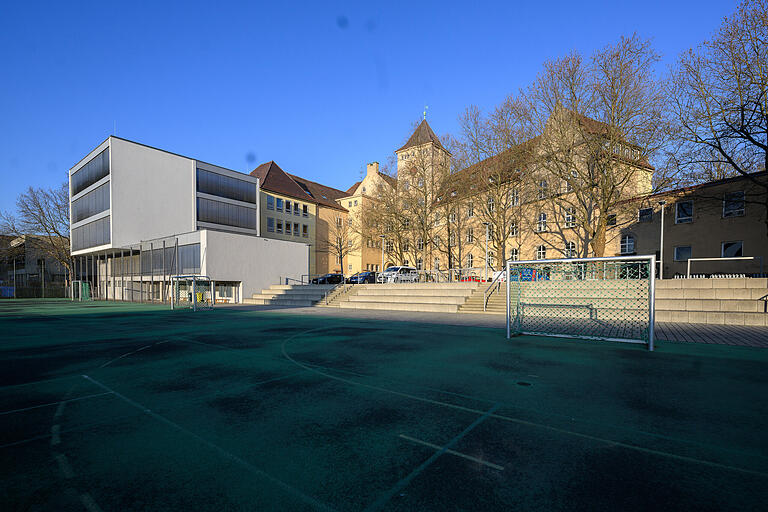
(91, 235)
(610, 220)
(305, 211)
(470, 236)
(288, 207)
(406, 246)
(95, 201)
(305, 231)
(543, 189)
(541, 225)
(225, 186)
(406, 223)
(570, 249)
(682, 253)
(513, 231)
(339, 222)
(514, 254)
(421, 182)
(514, 198)
(471, 210)
(419, 264)
(541, 252)
(491, 258)
(355, 202)
(350, 204)
(733, 204)
(732, 249)
(270, 202)
(452, 216)
(567, 187)
(570, 217)
(226, 214)
(437, 219)
(296, 209)
(295, 229)
(491, 204)
(627, 244)
(389, 246)
(279, 204)
(452, 240)
(420, 244)
(270, 224)
(279, 226)
(683, 212)
(645, 215)
(90, 173)
(287, 228)
(470, 260)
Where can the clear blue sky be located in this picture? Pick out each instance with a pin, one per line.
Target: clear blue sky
(321, 88)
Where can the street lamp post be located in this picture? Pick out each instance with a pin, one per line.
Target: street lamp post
(309, 264)
(382, 258)
(662, 203)
(486, 224)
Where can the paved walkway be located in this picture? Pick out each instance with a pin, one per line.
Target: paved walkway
(751, 336)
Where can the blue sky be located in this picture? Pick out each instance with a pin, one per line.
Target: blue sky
(321, 88)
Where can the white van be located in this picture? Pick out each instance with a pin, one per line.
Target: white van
(399, 275)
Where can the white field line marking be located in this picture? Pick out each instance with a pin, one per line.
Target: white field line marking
(60, 403)
(609, 442)
(453, 452)
(297, 493)
(383, 499)
(89, 503)
(64, 466)
(55, 438)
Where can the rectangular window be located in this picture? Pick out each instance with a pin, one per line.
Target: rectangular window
(90, 173)
(226, 214)
(288, 207)
(279, 204)
(225, 186)
(279, 226)
(287, 228)
(733, 204)
(513, 231)
(682, 253)
(304, 231)
(611, 219)
(515, 197)
(471, 210)
(732, 249)
(514, 254)
(470, 235)
(683, 212)
(295, 229)
(270, 202)
(305, 211)
(92, 234)
(95, 201)
(645, 215)
(296, 208)
(270, 225)
(570, 217)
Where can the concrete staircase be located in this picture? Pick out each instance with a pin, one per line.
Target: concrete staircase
(291, 295)
(712, 301)
(423, 297)
(495, 302)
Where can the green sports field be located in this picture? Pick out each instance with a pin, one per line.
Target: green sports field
(119, 407)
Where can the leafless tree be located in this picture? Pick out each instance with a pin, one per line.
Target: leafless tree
(44, 213)
(601, 122)
(719, 93)
(340, 241)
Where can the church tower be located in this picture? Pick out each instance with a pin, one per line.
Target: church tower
(423, 149)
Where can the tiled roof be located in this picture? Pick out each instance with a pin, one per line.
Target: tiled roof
(351, 190)
(323, 194)
(273, 179)
(389, 179)
(422, 135)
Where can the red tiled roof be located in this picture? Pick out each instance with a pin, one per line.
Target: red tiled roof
(422, 135)
(273, 179)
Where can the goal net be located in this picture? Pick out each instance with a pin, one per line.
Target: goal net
(81, 291)
(192, 292)
(593, 298)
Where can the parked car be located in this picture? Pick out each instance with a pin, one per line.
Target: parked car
(328, 279)
(399, 274)
(362, 277)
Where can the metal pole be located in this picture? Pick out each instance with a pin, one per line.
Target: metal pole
(486, 251)
(652, 304)
(151, 273)
(382, 257)
(130, 261)
(508, 279)
(14, 276)
(309, 263)
(162, 287)
(661, 244)
(141, 273)
(42, 274)
(113, 276)
(194, 294)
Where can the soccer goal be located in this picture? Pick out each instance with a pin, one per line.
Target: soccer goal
(192, 292)
(593, 298)
(81, 291)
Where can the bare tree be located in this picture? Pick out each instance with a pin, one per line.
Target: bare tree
(601, 122)
(45, 213)
(340, 241)
(719, 93)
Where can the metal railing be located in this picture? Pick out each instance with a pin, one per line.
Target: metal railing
(732, 258)
(493, 287)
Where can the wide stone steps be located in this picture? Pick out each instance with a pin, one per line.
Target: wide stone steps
(290, 295)
(423, 297)
(712, 301)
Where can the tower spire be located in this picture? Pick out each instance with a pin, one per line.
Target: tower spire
(425, 112)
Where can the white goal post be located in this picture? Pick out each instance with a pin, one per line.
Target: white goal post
(80, 291)
(192, 292)
(610, 298)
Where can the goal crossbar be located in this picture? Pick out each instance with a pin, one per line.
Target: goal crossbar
(608, 298)
(193, 292)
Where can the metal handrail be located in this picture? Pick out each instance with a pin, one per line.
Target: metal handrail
(731, 258)
(497, 282)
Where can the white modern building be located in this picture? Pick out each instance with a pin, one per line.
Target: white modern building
(139, 215)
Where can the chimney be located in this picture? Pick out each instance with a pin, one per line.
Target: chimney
(373, 169)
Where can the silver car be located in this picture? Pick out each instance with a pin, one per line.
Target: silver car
(399, 274)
